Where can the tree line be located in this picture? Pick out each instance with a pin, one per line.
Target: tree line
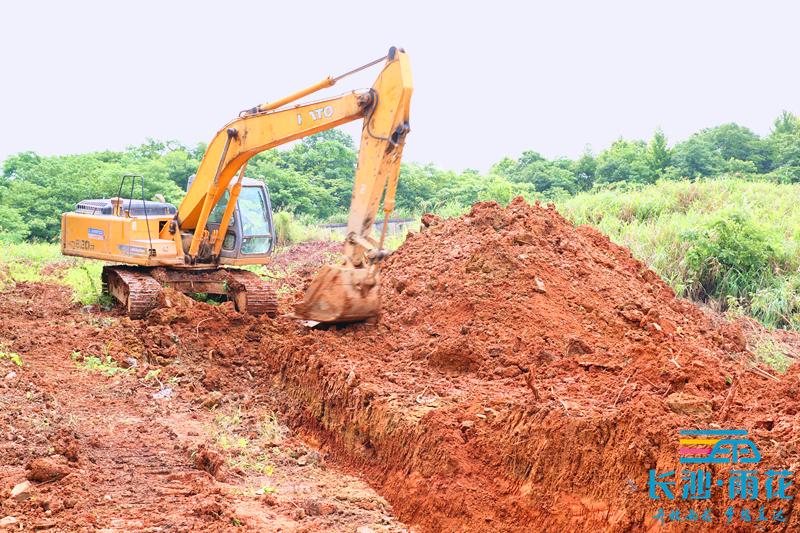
(314, 177)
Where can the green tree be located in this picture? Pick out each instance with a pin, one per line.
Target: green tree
(328, 160)
(695, 157)
(585, 169)
(548, 177)
(784, 146)
(732, 141)
(658, 152)
(625, 161)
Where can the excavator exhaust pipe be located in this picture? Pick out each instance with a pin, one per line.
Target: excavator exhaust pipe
(341, 294)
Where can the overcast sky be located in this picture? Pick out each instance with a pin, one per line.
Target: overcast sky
(492, 78)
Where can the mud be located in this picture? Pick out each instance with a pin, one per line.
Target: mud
(524, 375)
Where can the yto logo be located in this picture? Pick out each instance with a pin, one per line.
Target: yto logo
(708, 446)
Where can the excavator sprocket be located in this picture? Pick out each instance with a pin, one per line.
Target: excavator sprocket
(133, 288)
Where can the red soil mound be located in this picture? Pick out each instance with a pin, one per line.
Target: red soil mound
(502, 293)
(524, 375)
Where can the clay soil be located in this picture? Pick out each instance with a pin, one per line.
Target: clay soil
(524, 375)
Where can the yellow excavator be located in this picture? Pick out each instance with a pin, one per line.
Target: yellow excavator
(225, 218)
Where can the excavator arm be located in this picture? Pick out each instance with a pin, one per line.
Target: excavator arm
(339, 293)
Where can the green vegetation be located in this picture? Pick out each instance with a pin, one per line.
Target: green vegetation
(247, 440)
(14, 357)
(772, 353)
(291, 228)
(103, 364)
(312, 181)
(41, 261)
(727, 241)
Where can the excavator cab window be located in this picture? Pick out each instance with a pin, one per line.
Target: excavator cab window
(215, 217)
(255, 219)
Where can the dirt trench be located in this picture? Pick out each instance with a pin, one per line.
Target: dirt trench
(524, 375)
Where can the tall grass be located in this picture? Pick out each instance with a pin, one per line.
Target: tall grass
(723, 241)
(291, 229)
(30, 262)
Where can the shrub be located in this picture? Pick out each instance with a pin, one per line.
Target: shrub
(730, 256)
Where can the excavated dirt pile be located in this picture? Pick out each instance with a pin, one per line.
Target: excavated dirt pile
(526, 372)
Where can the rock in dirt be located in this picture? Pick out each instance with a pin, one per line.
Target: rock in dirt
(311, 458)
(21, 491)
(9, 521)
(539, 286)
(687, 404)
(163, 394)
(212, 399)
(46, 469)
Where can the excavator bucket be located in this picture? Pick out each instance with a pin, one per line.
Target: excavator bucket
(341, 294)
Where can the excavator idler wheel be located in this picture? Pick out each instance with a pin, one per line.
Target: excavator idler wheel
(251, 294)
(341, 294)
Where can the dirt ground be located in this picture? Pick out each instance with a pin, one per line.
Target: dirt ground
(524, 375)
(134, 451)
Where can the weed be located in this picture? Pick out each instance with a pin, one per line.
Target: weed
(245, 451)
(772, 353)
(12, 356)
(288, 229)
(105, 365)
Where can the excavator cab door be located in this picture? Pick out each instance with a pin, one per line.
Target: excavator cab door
(251, 234)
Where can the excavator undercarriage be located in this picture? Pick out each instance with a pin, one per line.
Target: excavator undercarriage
(138, 288)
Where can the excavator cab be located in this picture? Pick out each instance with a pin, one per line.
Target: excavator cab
(250, 236)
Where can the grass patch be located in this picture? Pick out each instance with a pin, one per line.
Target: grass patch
(772, 353)
(290, 228)
(249, 443)
(104, 365)
(43, 262)
(718, 241)
(84, 278)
